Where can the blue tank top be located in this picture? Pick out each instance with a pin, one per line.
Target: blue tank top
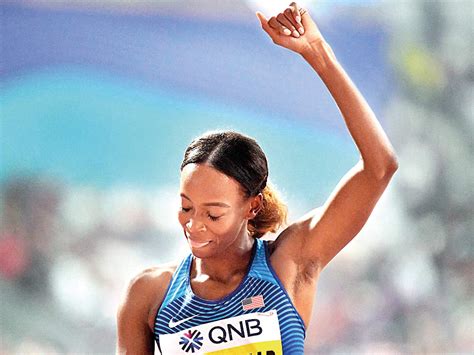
(256, 318)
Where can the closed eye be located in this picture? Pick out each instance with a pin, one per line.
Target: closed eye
(213, 218)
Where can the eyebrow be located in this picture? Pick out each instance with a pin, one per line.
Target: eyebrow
(219, 204)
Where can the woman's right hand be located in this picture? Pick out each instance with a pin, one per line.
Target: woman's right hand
(293, 29)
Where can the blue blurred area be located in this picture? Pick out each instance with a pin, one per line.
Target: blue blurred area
(87, 127)
(234, 63)
(122, 95)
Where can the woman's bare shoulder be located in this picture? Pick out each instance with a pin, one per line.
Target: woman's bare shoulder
(290, 241)
(151, 281)
(148, 286)
(155, 274)
(146, 291)
(143, 293)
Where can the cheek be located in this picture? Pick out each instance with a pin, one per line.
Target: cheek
(230, 226)
(225, 228)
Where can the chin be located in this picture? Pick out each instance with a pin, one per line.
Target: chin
(213, 249)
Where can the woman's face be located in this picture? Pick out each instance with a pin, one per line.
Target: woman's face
(213, 211)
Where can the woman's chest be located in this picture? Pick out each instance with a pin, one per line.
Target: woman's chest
(214, 290)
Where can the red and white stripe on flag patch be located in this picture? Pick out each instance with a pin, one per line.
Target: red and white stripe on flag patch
(253, 302)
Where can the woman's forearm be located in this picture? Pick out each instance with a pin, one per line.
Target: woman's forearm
(376, 151)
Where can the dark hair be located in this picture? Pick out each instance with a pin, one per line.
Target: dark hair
(241, 158)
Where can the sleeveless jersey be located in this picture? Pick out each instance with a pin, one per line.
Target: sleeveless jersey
(258, 318)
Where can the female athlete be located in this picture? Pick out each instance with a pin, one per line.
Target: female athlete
(235, 293)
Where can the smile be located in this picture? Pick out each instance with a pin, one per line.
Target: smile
(197, 245)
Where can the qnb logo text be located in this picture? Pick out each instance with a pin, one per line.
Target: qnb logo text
(244, 329)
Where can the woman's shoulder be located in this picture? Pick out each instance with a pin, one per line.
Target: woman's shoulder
(153, 275)
(149, 283)
(146, 289)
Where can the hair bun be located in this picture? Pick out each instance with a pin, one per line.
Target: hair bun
(271, 216)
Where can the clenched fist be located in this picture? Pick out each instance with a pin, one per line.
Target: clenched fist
(293, 28)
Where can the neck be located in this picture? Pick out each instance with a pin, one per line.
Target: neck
(224, 267)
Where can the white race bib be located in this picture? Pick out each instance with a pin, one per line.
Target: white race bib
(249, 334)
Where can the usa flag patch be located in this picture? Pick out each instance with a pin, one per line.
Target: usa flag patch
(253, 302)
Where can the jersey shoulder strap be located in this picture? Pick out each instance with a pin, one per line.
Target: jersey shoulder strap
(178, 284)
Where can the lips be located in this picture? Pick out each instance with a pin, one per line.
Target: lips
(196, 244)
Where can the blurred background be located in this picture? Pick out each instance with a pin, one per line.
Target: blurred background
(99, 99)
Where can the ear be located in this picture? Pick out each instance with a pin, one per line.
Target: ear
(256, 204)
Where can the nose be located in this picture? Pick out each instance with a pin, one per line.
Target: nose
(193, 226)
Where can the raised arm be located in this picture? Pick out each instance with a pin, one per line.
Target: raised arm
(319, 235)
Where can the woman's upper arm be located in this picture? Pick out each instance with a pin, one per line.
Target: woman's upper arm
(321, 234)
(134, 335)
(343, 215)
